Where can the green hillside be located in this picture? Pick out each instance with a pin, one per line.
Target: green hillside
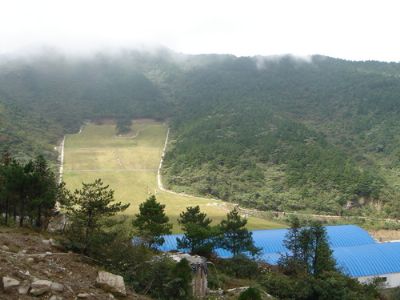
(129, 165)
(291, 135)
(279, 133)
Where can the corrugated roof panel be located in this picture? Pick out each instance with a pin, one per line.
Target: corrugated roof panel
(369, 260)
(348, 235)
(271, 241)
(356, 252)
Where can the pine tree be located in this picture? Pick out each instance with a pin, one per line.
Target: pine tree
(44, 189)
(309, 250)
(292, 238)
(322, 259)
(198, 234)
(89, 209)
(234, 235)
(151, 222)
(292, 262)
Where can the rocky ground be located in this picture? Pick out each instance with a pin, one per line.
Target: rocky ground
(33, 266)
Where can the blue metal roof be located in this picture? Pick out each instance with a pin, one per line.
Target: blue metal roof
(369, 260)
(271, 241)
(356, 252)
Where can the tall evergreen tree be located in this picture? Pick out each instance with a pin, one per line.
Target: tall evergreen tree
(198, 233)
(309, 250)
(44, 189)
(234, 235)
(151, 222)
(292, 239)
(322, 258)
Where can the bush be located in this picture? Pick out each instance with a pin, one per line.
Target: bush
(250, 294)
(327, 286)
(240, 266)
(164, 279)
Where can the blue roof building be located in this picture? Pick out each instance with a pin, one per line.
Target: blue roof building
(357, 254)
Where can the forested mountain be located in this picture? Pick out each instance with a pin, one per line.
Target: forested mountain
(44, 97)
(268, 132)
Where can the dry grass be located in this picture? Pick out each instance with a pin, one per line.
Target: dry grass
(384, 235)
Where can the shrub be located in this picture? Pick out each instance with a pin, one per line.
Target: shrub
(240, 266)
(250, 294)
(164, 279)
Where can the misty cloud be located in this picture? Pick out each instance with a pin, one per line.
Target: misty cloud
(262, 61)
(243, 28)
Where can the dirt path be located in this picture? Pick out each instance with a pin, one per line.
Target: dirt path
(112, 170)
(159, 179)
(61, 155)
(61, 160)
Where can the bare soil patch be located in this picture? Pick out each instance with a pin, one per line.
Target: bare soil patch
(26, 255)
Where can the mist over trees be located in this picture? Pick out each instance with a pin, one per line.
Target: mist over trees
(271, 133)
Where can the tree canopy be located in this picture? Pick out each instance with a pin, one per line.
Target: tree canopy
(199, 235)
(151, 222)
(274, 134)
(89, 209)
(235, 237)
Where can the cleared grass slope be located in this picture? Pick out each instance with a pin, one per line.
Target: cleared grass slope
(129, 165)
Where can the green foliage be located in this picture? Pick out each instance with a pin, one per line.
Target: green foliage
(234, 235)
(179, 287)
(239, 266)
(159, 277)
(309, 250)
(27, 191)
(199, 236)
(46, 97)
(394, 293)
(250, 294)
(152, 223)
(89, 211)
(164, 279)
(120, 256)
(272, 134)
(328, 286)
(124, 125)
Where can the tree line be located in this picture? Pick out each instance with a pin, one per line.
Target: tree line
(200, 237)
(28, 191)
(307, 271)
(97, 229)
(289, 135)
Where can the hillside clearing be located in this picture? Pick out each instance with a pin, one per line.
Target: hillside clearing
(129, 165)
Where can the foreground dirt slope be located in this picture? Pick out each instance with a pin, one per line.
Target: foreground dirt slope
(28, 256)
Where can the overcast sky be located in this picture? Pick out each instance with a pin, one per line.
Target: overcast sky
(349, 29)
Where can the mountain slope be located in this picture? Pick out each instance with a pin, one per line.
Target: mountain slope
(289, 135)
(274, 133)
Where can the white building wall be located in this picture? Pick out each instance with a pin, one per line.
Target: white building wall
(392, 279)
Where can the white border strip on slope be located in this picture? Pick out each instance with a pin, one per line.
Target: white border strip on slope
(159, 181)
(61, 160)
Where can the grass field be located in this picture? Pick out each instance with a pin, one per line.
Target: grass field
(129, 165)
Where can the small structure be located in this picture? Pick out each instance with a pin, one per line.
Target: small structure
(199, 268)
